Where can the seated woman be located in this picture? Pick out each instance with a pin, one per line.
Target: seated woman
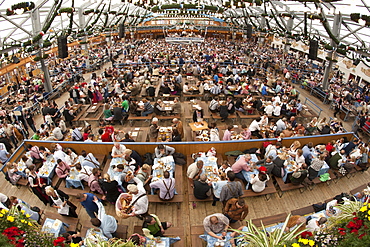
(12, 173)
(110, 188)
(259, 182)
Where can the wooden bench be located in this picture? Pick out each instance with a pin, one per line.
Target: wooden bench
(56, 181)
(270, 189)
(102, 158)
(362, 170)
(23, 182)
(195, 232)
(287, 186)
(189, 96)
(178, 199)
(121, 231)
(303, 211)
(132, 118)
(72, 222)
(274, 219)
(76, 120)
(317, 180)
(168, 117)
(358, 189)
(106, 167)
(335, 175)
(73, 191)
(246, 116)
(215, 117)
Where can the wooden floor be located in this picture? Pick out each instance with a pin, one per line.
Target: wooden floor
(191, 218)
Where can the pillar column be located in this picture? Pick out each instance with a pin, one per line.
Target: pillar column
(329, 67)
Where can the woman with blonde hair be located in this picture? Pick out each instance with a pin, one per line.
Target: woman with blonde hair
(144, 174)
(12, 173)
(110, 188)
(59, 200)
(293, 148)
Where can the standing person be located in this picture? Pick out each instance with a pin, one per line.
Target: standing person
(177, 124)
(140, 201)
(153, 227)
(59, 200)
(87, 201)
(233, 189)
(110, 187)
(36, 184)
(29, 119)
(153, 130)
(236, 210)
(106, 223)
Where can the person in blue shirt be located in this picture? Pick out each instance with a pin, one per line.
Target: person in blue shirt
(87, 201)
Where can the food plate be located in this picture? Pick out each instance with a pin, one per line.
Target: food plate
(208, 168)
(155, 179)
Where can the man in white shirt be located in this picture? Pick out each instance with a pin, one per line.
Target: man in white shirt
(118, 150)
(58, 135)
(166, 187)
(84, 172)
(315, 224)
(106, 223)
(88, 159)
(277, 110)
(269, 109)
(255, 128)
(280, 124)
(139, 200)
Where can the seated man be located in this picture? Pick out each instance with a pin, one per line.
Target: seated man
(94, 182)
(166, 187)
(118, 150)
(21, 205)
(194, 171)
(62, 170)
(106, 223)
(233, 189)
(236, 209)
(153, 227)
(84, 172)
(243, 163)
(215, 224)
(315, 224)
(89, 160)
(163, 151)
(202, 190)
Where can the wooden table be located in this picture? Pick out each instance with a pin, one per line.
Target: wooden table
(93, 108)
(138, 134)
(194, 126)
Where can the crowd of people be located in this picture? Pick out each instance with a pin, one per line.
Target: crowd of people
(221, 73)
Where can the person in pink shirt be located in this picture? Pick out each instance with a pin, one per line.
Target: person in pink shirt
(63, 169)
(243, 163)
(94, 182)
(227, 134)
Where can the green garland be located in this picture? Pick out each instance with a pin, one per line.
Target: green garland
(95, 21)
(26, 6)
(66, 10)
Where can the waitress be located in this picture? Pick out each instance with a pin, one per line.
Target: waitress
(60, 201)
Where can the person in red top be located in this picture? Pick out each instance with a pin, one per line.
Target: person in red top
(329, 147)
(107, 135)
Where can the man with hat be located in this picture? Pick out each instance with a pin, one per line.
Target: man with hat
(139, 202)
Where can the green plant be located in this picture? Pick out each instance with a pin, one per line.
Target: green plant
(328, 47)
(261, 238)
(355, 17)
(36, 59)
(66, 10)
(4, 241)
(45, 56)
(110, 243)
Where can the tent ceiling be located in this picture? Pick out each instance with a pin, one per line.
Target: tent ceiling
(19, 28)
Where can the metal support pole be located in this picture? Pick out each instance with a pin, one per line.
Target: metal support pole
(36, 28)
(335, 30)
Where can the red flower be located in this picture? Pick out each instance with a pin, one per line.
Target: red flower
(363, 234)
(355, 231)
(342, 233)
(59, 241)
(355, 218)
(351, 224)
(306, 234)
(354, 213)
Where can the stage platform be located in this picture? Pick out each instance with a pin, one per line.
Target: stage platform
(184, 40)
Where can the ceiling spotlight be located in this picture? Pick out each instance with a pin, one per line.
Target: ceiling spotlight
(362, 22)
